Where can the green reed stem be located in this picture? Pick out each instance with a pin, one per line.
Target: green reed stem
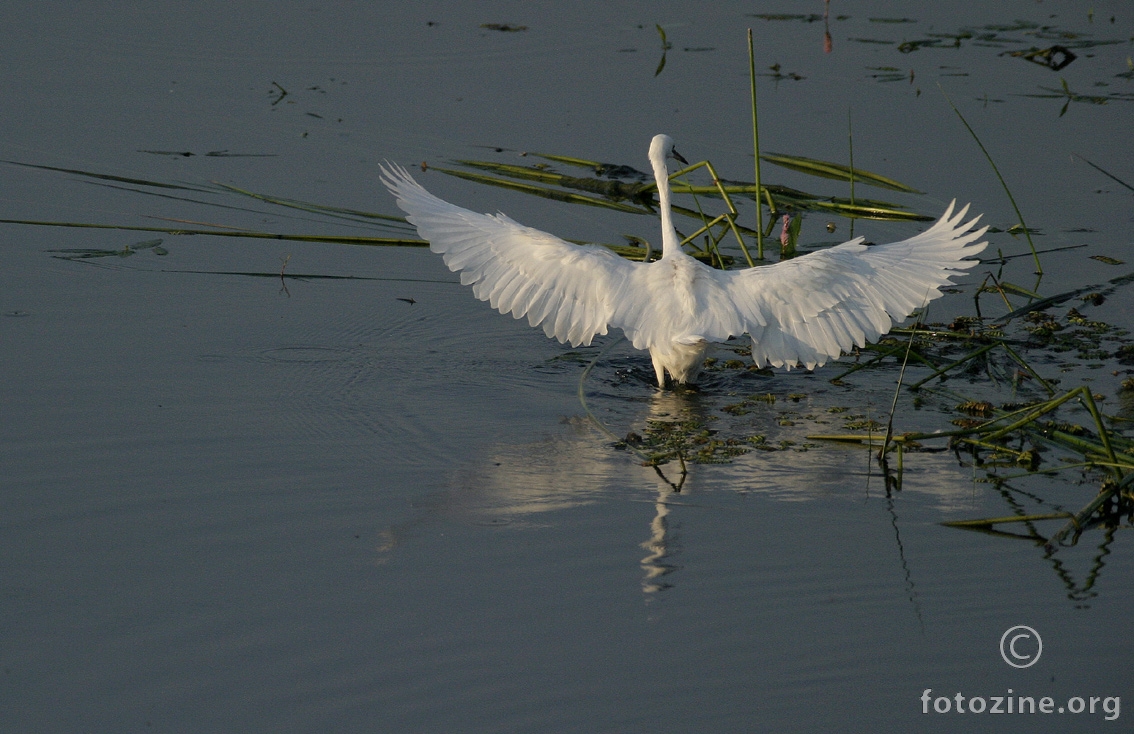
(1009, 519)
(942, 370)
(850, 146)
(1027, 234)
(330, 239)
(756, 149)
(894, 404)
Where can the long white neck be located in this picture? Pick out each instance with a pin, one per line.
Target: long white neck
(670, 244)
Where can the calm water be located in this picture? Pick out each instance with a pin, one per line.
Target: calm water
(233, 505)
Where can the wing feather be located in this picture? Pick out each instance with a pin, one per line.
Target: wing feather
(568, 289)
(810, 309)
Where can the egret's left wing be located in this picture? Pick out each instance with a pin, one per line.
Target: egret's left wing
(569, 289)
(810, 309)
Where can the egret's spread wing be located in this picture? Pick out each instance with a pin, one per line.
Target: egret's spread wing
(810, 309)
(567, 288)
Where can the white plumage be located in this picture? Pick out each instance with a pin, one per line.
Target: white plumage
(802, 311)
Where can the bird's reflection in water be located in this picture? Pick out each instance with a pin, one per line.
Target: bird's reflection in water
(527, 486)
(658, 563)
(522, 485)
(666, 407)
(518, 485)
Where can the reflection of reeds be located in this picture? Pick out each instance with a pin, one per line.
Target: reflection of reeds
(1008, 436)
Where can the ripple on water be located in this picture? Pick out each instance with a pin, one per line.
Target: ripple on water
(305, 354)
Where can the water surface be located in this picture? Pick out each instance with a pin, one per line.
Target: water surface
(234, 502)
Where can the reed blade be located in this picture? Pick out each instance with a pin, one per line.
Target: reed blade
(836, 171)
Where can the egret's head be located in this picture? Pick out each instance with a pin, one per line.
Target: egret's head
(662, 148)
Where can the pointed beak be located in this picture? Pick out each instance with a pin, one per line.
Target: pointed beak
(678, 156)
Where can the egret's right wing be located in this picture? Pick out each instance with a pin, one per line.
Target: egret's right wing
(569, 289)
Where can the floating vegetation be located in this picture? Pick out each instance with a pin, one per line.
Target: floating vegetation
(688, 439)
(622, 187)
(1053, 57)
(805, 17)
(80, 253)
(219, 196)
(209, 154)
(776, 73)
(1028, 437)
(911, 46)
(611, 186)
(665, 47)
(1129, 73)
(888, 74)
(1049, 46)
(1065, 92)
(996, 35)
(504, 27)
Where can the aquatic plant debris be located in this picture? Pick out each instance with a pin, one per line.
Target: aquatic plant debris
(1054, 57)
(666, 46)
(805, 17)
(82, 253)
(1065, 92)
(504, 27)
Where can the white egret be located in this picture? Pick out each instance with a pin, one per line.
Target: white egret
(802, 311)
